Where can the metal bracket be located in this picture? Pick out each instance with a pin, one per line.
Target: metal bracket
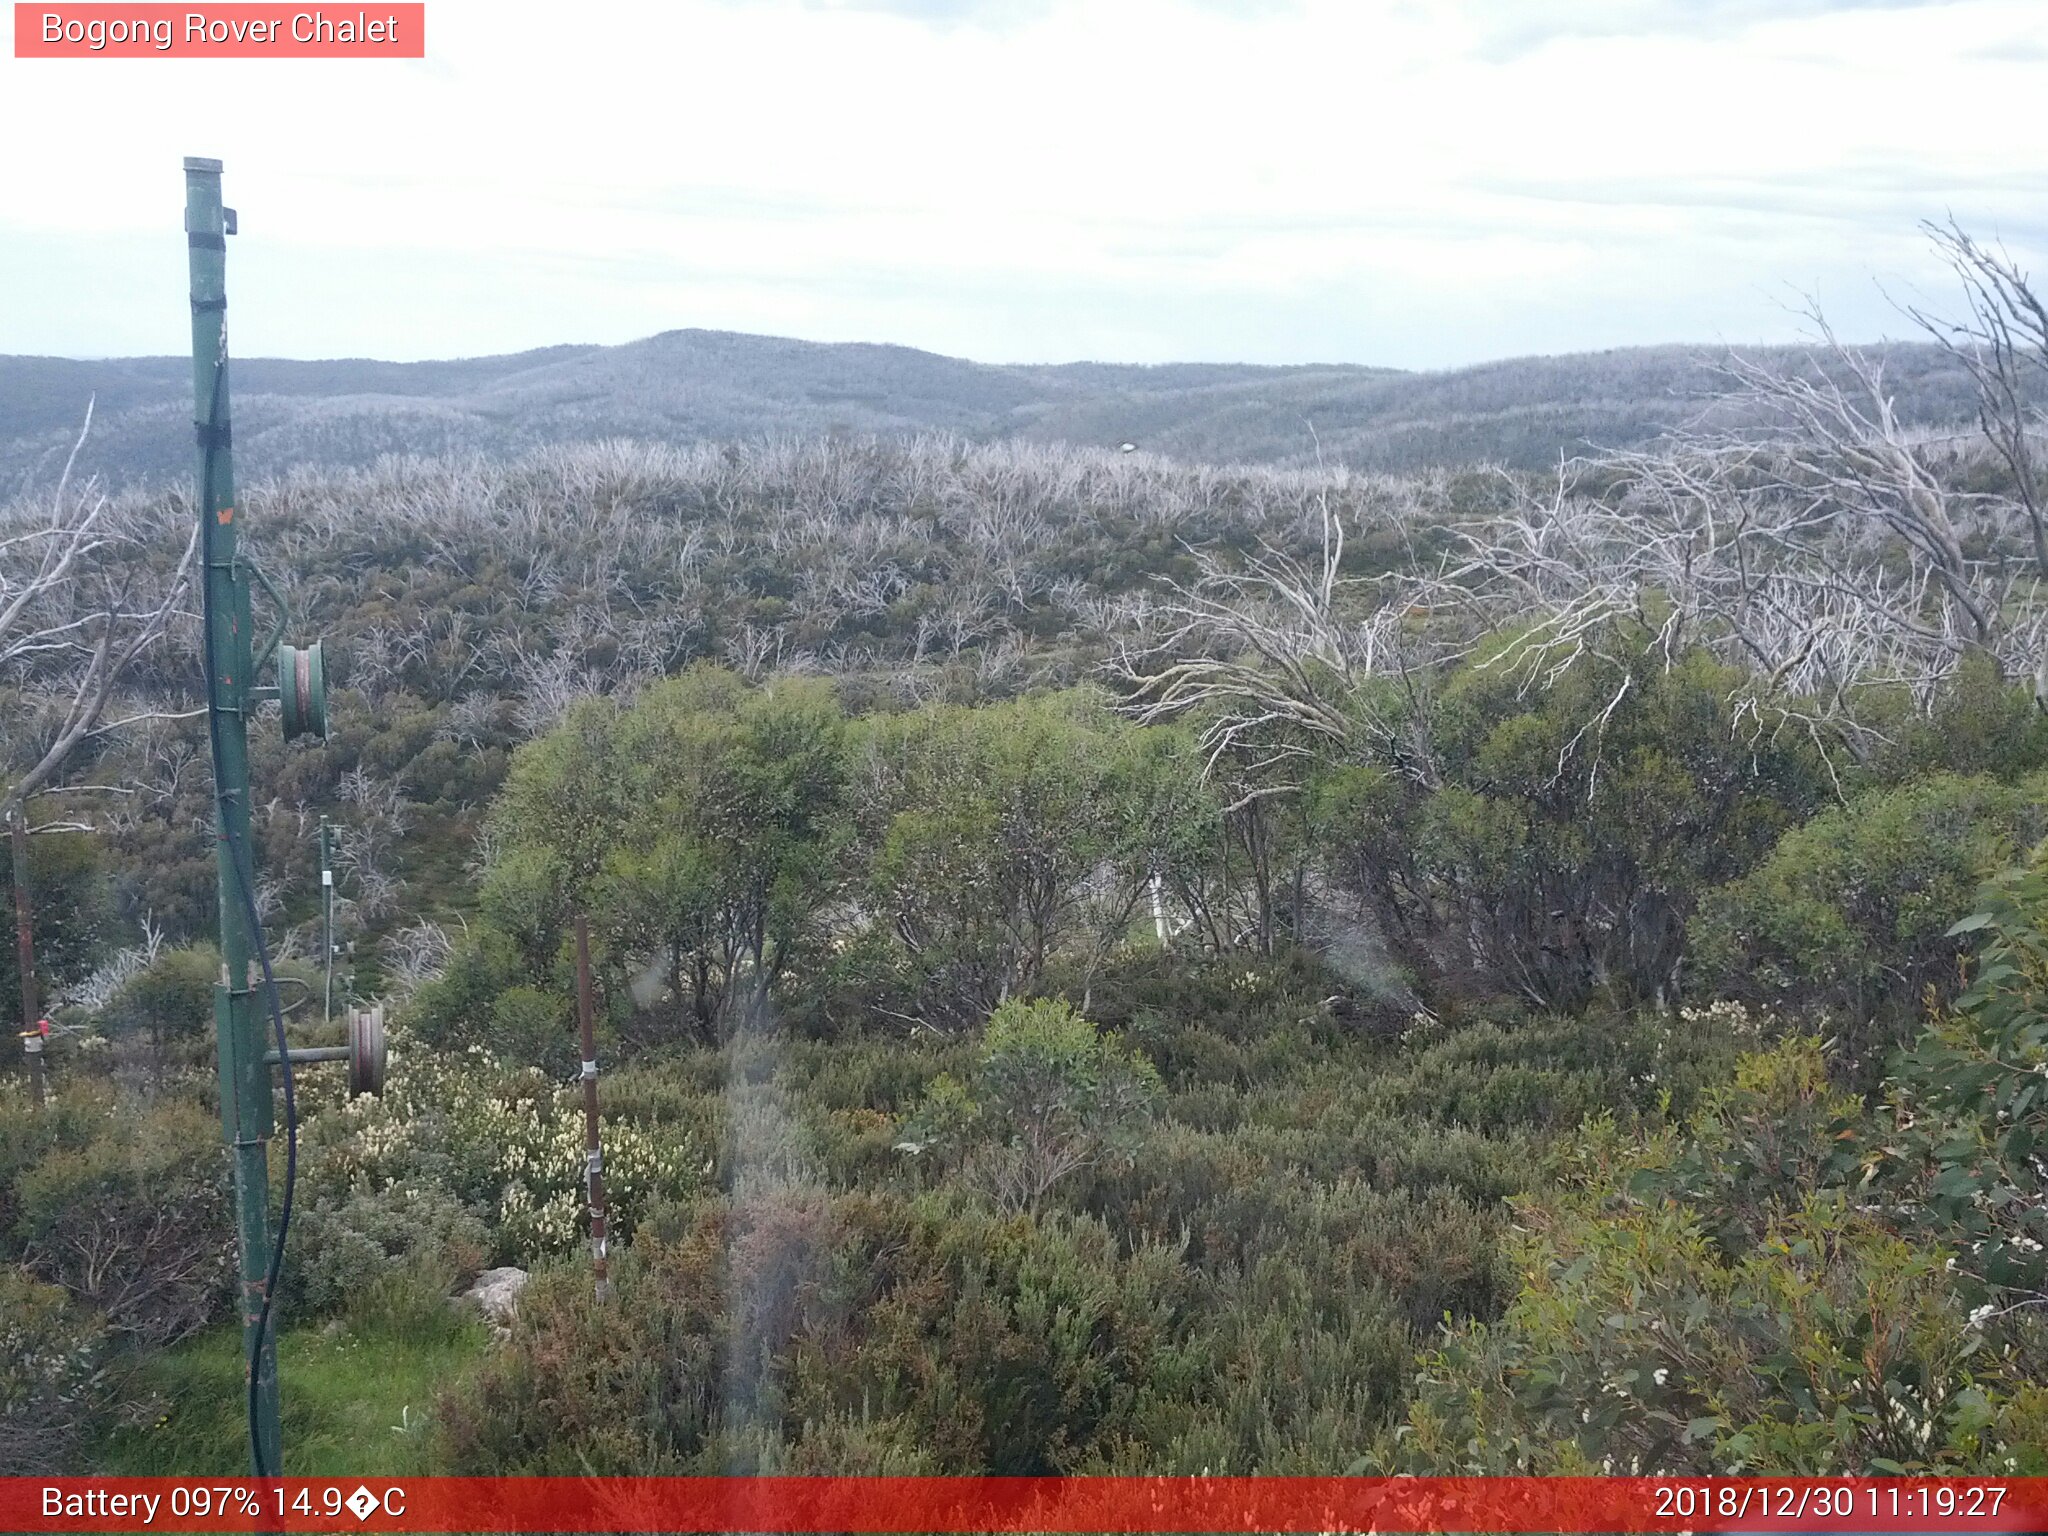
(300, 1055)
(284, 616)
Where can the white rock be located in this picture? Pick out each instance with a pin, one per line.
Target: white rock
(497, 1292)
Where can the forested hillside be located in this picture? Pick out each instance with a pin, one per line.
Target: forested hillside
(687, 387)
(1107, 963)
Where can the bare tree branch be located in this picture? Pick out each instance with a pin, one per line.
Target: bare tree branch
(80, 601)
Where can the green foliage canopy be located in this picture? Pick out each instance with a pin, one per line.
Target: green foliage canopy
(1052, 1095)
(1851, 911)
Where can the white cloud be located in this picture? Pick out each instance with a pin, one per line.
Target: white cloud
(1382, 181)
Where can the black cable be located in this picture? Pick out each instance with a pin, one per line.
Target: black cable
(238, 853)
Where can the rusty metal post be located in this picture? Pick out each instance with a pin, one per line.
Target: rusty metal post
(593, 1151)
(25, 952)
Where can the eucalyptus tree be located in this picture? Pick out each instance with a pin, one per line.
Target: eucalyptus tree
(700, 829)
(993, 837)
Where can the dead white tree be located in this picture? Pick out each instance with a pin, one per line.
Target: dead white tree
(375, 813)
(1819, 542)
(2002, 341)
(418, 953)
(471, 720)
(548, 685)
(1280, 657)
(82, 597)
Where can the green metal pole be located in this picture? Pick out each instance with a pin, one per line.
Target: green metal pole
(327, 916)
(25, 951)
(245, 1110)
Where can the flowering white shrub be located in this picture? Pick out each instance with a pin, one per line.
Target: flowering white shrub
(1731, 1016)
(506, 1140)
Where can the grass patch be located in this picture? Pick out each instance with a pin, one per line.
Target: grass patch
(357, 1401)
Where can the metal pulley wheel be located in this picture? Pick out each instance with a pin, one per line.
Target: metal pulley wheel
(366, 1051)
(302, 690)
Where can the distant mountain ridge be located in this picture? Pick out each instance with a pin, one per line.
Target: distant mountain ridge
(696, 385)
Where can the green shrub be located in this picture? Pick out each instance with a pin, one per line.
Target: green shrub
(73, 906)
(343, 1247)
(167, 1009)
(532, 1028)
(1716, 1303)
(75, 1114)
(454, 1009)
(967, 1342)
(1851, 912)
(701, 827)
(53, 1376)
(1962, 1144)
(413, 1302)
(1980, 724)
(135, 1220)
(981, 828)
(638, 1383)
(1573, 827)
(1051, 1096)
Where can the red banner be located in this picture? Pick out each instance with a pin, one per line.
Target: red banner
(1024, 1504)
(229, 31)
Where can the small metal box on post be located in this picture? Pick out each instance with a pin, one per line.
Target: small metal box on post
(233, 660)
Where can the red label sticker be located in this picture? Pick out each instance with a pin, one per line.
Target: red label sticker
(232, 31)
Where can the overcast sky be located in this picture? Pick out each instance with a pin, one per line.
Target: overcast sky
(1417, 184)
